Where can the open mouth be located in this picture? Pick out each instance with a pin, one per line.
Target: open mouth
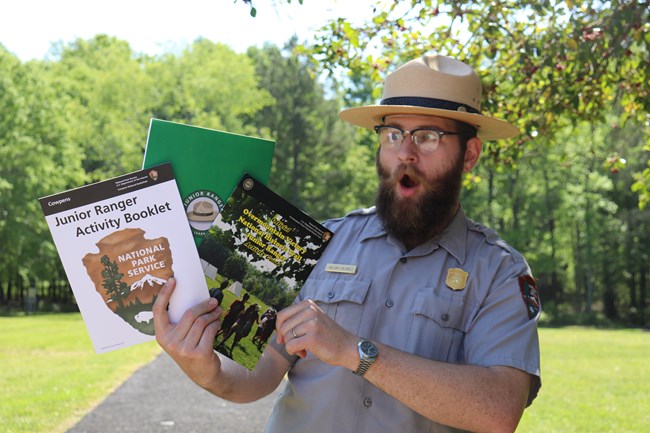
(407, 182)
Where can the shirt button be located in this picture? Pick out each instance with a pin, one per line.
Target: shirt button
(390, 303)
(403, 259)
(445, 317)
(330, 295)
(367, 402)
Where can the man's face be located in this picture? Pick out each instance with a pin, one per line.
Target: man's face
(419, 191)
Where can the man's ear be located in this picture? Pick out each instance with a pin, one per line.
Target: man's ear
(472, 153)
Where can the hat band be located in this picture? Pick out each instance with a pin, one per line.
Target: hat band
(429, 103)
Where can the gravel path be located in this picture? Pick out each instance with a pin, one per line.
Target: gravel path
(159, 398)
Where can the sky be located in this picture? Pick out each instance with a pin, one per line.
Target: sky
(29, 27)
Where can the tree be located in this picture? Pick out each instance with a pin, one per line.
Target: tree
(35, 160)
(208, 84)
(574, 63)
(317, 164)
(215, 248)
(112, 281)
(235, 268)
(106, 98)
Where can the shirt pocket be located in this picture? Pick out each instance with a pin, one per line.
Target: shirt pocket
(439, 322)
(341, 299)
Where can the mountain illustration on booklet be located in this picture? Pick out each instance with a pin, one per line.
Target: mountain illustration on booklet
(256, 257)
(128, 272)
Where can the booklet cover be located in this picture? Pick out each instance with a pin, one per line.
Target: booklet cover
(208, 164)
(256, 257)
(119, 240)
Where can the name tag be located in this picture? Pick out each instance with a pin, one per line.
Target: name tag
(341, 269)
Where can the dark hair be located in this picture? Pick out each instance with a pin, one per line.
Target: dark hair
(466, 131)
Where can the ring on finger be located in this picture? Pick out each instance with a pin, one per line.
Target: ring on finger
(293, 331)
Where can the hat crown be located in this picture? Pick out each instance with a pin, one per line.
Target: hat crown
(202, 207)
(436, 77)
(433, 85)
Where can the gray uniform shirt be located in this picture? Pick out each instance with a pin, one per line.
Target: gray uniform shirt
(417, 302)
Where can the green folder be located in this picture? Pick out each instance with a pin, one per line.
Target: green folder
(208, 165)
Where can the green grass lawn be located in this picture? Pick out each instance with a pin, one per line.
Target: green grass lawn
(594, 381)
(50, 375)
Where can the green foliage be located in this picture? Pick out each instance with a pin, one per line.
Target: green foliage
(33, 147)
(569, 193)
(574, 78)
(106, 98)
(112, 281)
(543, 64)
(317, 160)
(209, 85)
(575, 218)
(270, 290)
(215, 248)
(235, 267)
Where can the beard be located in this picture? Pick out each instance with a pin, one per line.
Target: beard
(414, 220)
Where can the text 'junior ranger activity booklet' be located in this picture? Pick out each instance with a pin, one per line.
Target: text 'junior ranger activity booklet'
(256, 257)
(119, 240)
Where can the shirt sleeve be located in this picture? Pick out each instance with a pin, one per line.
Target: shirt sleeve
(504, 332)
(273, 342)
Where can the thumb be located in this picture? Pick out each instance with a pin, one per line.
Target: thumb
(160, 315)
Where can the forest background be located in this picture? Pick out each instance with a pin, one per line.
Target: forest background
(571, 192)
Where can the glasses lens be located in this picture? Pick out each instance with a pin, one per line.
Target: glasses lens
(426, 139)
(390, 137)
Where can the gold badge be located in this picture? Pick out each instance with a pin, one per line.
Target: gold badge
(456, 279)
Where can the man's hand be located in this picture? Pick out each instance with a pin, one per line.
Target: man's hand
(190, 341)
(304, 327)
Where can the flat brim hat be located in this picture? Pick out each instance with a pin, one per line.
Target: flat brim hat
(202, 211)
(433, 85)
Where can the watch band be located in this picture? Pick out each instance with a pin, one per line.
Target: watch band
(367, 354)
(364, 365)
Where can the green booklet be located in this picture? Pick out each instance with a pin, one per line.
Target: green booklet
(256, 257)
(207, 164)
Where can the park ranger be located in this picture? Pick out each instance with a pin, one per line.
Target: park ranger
(415, 319)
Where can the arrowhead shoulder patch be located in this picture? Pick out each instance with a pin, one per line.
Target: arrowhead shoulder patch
(530, 295)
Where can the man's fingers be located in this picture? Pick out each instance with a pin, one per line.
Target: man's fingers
(160, 315)
(207, 338)
(287, 318)
(199, 319)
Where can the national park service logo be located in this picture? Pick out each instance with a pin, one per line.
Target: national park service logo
(456, 279)
(530, 295)
(128, 272)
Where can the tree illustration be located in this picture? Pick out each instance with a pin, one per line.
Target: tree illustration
(112, 281)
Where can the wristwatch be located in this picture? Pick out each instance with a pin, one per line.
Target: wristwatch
(368, 353)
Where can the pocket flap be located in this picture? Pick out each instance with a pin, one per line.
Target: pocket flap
(335, 290)
(446, 311)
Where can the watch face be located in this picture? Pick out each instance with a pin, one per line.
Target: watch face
(369, 349)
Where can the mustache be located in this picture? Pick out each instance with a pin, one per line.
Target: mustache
(401, 172)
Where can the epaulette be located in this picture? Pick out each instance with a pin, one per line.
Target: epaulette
(362, 211)
(493, 238)
(355, 213)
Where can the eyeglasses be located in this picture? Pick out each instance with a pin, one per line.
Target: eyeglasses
(426, 140)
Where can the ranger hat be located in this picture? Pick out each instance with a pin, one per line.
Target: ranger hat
(433, 85)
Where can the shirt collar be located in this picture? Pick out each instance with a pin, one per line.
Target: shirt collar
(453, 238)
